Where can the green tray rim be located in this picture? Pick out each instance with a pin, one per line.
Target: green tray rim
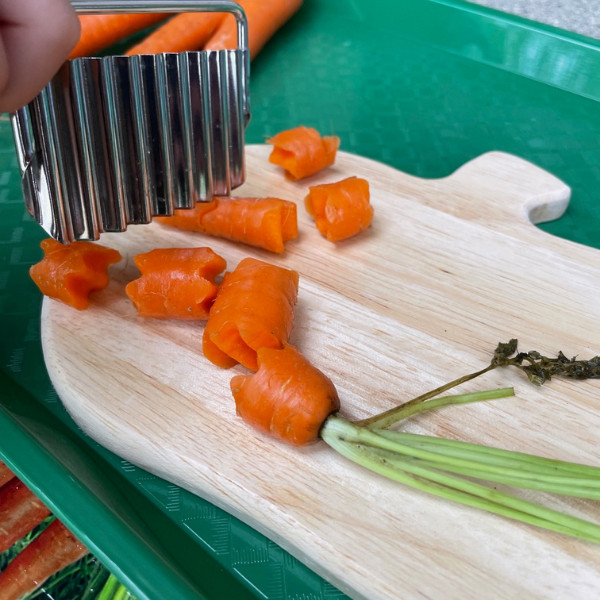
(21, 441)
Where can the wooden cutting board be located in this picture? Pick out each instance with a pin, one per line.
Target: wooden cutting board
(449, 268)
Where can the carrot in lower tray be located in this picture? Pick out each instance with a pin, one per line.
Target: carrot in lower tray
(182, 33)
(5, 474)
(101, 31)
(254, 309)
(287, 398)
(264, 17)
(176, 283)
(342, 209)
(20, 512)
(71, 272)
(54, 549)
(302, 152)
(261, 222)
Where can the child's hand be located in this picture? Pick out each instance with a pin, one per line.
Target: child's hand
(36, 37)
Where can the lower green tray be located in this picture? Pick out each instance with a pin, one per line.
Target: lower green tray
(422, 85)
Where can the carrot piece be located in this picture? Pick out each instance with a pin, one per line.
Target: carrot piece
(20, 512)
(254, 309)
(265, 17)
(54, 549)
(261, 222)
(176, 283)
(342, 209)
(70, 273)
(302, 152)
(287, 398)
(185, 32)
(101, 31)
(5, 474)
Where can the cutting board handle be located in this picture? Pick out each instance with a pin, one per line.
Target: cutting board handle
(508, 187)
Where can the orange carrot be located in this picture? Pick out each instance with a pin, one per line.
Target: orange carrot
(185, 32)
(287, 398)
(5, 474)
(342, 209)
(101, 31)
(70, 273)
(302, 152)
(54, 549)
(176, 283)
(254, 309)
(265, 17)
(20, 512)
(262, 222)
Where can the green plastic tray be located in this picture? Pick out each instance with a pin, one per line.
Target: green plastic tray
(422, 85)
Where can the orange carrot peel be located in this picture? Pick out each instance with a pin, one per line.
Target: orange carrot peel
(254, 309)
(266, 223)
(341, 210)
(70, 273)
(287, 398)
(176, 283)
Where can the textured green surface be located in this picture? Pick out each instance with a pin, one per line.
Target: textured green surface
(421, 85)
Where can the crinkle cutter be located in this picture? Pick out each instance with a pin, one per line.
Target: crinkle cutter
(117, 140)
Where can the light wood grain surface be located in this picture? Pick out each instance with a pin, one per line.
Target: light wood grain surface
(449, 268)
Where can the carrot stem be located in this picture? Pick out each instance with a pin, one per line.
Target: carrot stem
(490, 455)
(528, 481)
(389, 417)
(381, 456)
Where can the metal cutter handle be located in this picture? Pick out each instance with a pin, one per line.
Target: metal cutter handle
(117, 140)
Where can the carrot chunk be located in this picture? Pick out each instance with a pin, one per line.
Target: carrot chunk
(342, 209)
(176, 283)
(254, 309)
(69, 273)
(303, 152)
(287, 398)
(260, 222)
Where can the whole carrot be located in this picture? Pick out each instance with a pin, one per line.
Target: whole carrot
(287, 398)
(5, 474)
(185, 32)
(261, 222)
(254, 309)
(20, 512)
(101, 31)
(265, 17)
(54, 549)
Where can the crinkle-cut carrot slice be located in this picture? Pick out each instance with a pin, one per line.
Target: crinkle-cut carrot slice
(260, 222)
(342, 209)
(176, 283)
(302, 152)
(287, 398)
(69, 273)
(254, 309)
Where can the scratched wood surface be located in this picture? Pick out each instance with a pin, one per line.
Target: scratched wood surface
(449, 268)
